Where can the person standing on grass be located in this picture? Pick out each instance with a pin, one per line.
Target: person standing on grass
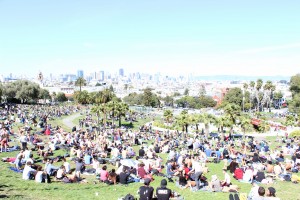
(23, 140)
(4, 138)
(146, 191)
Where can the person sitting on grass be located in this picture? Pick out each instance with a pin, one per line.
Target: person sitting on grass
(141, 172)
(226, 181)
(61, 173)
(162, 192)
(146, 191)
(271, 194)
(104, 174)
(28, 172)
(18, 161)
(215, 185)
(50, 169)
(112, 177)
(261, 194)
(123, 177)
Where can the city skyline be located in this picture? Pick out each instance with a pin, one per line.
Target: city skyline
(199, 37)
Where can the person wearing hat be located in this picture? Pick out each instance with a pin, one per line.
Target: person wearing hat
(146, 191)
(162, 192)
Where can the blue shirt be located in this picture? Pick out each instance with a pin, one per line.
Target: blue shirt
(87, 159)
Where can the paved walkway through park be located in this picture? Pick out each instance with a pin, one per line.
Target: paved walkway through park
(68, 121)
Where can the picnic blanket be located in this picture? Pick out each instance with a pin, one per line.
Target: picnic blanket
(15, 169)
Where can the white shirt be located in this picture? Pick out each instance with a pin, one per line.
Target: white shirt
(197, 167)
(26, 172)
(67, 167)
(60, 173)
(227, 178)
(26, 155)
(39, 177)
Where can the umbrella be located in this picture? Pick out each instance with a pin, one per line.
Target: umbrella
(129, 162)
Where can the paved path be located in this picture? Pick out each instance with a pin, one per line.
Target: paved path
(68, 120)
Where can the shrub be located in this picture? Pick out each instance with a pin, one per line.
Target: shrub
(295, 133)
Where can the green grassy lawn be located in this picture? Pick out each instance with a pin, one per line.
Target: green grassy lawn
(13, 187)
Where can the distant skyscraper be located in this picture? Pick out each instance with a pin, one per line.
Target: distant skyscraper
(101, 76)
(80, 74)
(121, 72)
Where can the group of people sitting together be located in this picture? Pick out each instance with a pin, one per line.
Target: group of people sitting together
(89, 150)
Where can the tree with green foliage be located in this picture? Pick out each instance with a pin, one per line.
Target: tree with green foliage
(294, 105)
(245, 123)
(80, 82)
(295, 84)
(150, 99)
(196, 102)
(111, 88)
(223, 122)
(235, 96)
(112, 106)
(233, 112)
(264, 126)
(183, 120)
(61, 97)
(290, 120)
(82, 97)
(134, 99)
(169, 101)
(168, 116)
(176, 94)
(44, 94)
(121, 110)
(186, 92)
(207, 119)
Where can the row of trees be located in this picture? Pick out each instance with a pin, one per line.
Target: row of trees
(147, 98)
(196, 102)
(105, 104)
(22, 91)
(294, 104)
(256, 95)
(232, 117)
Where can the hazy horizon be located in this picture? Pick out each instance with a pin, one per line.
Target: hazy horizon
(203, 38)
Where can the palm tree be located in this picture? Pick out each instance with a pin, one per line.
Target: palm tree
(183, 120)
(223, 122)
(112, 106)
(259, 84)
(121, 110)
(245, 123)
(195, 119)
(97, 109)
(233, 111)
(168, 115)
(207, 119)
(101, 108)
(252, 93)
(80, 82)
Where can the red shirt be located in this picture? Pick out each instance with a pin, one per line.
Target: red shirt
(141, 172)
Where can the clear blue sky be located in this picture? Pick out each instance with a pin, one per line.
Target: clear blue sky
(207, 37)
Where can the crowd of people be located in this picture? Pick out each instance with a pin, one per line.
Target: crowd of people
(92, 150)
